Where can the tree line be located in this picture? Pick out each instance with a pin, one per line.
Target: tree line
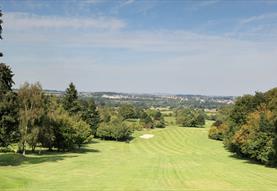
(249, 127)
(31, 118)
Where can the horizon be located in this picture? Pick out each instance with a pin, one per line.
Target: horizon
(143, 93)
(212, 47)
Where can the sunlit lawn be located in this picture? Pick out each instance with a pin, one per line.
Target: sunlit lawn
(175, 158)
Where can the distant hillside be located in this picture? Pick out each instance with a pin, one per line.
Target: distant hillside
(156, 100)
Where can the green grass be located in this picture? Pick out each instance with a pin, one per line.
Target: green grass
(175, 159)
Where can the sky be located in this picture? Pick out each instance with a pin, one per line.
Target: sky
(211, 47)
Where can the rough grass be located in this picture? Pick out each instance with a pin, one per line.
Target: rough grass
(175, 158)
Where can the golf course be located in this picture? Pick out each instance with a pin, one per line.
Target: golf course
(174, 158)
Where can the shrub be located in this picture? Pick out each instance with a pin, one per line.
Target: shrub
(190, 117)
(114, 130)
(218, 130)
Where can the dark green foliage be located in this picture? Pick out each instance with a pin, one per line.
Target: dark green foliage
(152, 118)
(8, 104)
(148, 122)
(62, 130)
(127, 111)
(114, 130)
(1, 54)
(157, 115)
(190, 117)
(6, 81)
(8, 108)
(9, 131)
(90, 114)
(43, 121)
(245, 105)
(70, 100)
(157, 118)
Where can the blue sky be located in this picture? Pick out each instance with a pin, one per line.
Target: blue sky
(211, 47)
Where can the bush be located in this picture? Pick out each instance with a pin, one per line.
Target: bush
(114, 130)
(159, 123)
(217, 131)
(255, 138)
(127, 111)
(190, 117)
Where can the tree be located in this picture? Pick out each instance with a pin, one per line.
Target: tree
(8, 103)
(190, 117)
(250, 127)
(148, 122)
(1, 54)
(159, 123)
(70, 99)
(8, 107)
(200, 118)
(8, 119)
(127, 111)
(105, 114)
(90, 114)
(114, 130)
(157, 115)
(255, 138)
(46, 134)
(157, 118)
(31, 111)
(62, 130)
(6, 81)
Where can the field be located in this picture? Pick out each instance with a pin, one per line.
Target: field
(175, 158)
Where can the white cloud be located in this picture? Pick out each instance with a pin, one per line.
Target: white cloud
(168, 60)
(207, 3)
(196, 5)
(128, 2)
(92, 1)
(20, 21)
(259, 18)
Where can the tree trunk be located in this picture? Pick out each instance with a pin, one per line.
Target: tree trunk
(33, 148)
(24, 152)
(25, 142)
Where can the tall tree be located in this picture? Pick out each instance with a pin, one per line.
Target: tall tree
(90, 114)
(6, 81)
(1, 54)
(127, 111)
(8, 103)
(8, 118)
(32, 109)
(70, 99)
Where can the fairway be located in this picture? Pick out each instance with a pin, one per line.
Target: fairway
(175, 158)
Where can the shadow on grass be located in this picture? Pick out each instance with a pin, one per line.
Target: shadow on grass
(16, 159)
(128, 140)
(250, 161)
(81, 150)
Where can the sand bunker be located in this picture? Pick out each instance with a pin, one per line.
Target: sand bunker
(147, 136)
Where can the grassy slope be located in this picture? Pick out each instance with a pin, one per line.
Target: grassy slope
(175, 159)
